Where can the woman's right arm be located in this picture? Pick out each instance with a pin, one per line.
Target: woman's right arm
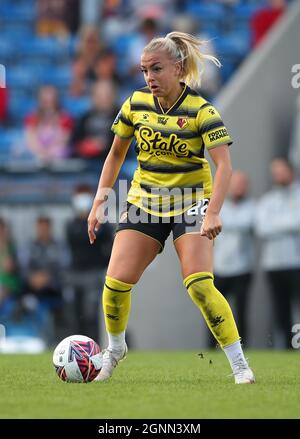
(109, 174)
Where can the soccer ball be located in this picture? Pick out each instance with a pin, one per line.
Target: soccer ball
(77, 359)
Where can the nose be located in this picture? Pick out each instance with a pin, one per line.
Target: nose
(149, 76)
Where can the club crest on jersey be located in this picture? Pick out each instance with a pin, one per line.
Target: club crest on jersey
(182, 122)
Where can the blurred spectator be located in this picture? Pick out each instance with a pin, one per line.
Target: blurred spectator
(263, 20)
(154, 9)
(234, 248)
(48, 130)
(88, 51)
(278, 226)
(210, 80)
(3, 105)
(148, 29)
(92, 135)
(9, 276)
(57, 17)
(43, 261)
(88, 263)
(111, 8)
(106, 66)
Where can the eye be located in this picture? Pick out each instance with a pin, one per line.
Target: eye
(157, 69)
(143, 70)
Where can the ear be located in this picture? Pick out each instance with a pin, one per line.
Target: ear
(178, 69)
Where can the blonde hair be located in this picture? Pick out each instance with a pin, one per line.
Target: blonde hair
(184, 48)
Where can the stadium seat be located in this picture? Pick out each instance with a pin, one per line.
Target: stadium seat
(20, 12)
(44, 48)
(244, 11)
(6, 49)
(205, 11)
(9, 139)
(20, 77)
(60, 76)
(235, 44)
(76, 106)
(19, 107)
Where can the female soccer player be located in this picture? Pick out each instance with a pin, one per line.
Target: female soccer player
(172, 125)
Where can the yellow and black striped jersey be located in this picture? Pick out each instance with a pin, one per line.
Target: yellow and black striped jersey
(170, 149)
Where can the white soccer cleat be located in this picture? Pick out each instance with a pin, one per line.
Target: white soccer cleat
(242, 373)
(111, 359)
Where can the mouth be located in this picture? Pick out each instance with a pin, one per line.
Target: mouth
(154, 88)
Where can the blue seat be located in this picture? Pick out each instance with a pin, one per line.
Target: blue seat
(244, 11)
(234, 44)
(205, 11)
(43, 48)
(20, 107)
(20, 77)
(227, 70)
(6, 49)
(60, 76)
(24, 12)
(9, 138)
(76, 106)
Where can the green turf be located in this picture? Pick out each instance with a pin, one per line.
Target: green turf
(154, 385)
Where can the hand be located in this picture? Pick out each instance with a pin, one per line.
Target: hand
(211, 226)
(94, 221)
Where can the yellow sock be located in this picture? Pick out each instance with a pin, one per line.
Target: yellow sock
(214, 307)
(116, 300)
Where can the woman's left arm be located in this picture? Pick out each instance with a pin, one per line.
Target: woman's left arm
(212, 224)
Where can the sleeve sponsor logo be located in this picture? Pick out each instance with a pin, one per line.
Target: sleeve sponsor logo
(219, 134)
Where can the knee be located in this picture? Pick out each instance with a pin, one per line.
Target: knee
(125, 276)
(115, 285)
(200, 285)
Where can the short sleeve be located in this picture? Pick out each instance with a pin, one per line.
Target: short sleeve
(123, 125)
(211, 127)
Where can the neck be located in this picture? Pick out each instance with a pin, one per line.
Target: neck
(172, 97)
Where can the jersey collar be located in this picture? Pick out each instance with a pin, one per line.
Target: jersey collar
(176, 104)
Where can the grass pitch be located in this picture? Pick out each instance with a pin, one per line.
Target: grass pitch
(154, 385)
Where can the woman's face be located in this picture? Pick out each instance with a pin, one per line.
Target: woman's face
(160, 72)
(48, 98)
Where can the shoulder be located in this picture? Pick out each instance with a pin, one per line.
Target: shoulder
(141, 94)
(195, 99)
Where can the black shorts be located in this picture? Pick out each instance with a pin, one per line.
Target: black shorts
(159, 228)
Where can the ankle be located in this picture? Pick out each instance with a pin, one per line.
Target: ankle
(116, 342)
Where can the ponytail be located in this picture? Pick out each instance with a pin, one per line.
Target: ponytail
(185, 49)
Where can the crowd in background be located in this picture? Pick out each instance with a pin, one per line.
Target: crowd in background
(49, 287)
(78, 61)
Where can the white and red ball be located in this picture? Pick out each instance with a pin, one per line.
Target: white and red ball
(77, 359)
